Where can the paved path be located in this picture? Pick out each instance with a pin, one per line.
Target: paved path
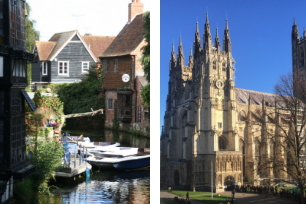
(240, 198)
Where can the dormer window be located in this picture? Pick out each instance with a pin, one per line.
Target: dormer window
(44, 68)
(214, 65)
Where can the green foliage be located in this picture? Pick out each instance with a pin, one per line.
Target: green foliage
(47, 107)
(145, 60)
(81, 97)
(47, 158)
(31, 36)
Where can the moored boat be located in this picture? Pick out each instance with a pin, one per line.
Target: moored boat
(124, 158)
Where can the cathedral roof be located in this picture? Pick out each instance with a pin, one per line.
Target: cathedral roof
(243, 95)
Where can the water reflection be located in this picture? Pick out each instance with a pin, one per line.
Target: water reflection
(108, 186)
(125, 139)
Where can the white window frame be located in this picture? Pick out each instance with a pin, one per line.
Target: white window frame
(86, 71)
(58, 70)
(108, 108)
(42, 68)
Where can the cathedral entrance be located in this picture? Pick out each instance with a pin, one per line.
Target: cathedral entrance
(176, 178)
(229, 182)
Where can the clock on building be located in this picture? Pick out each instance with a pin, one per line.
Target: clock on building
(125, 78)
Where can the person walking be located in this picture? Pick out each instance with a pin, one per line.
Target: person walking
(233, 192)
(187, 195)
(276, 190)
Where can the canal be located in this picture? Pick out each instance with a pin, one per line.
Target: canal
(105, 186)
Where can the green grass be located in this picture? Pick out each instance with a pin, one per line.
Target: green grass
(182, 193)
(198, 196)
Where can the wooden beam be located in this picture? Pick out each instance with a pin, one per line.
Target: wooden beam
(83, 114)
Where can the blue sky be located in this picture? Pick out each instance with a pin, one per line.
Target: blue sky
(260, 33)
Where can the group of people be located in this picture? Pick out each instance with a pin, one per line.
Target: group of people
(257, 189)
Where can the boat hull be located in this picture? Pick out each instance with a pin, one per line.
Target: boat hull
(132, 164)
(101, 165)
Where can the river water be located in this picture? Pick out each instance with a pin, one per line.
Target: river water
(105, 186)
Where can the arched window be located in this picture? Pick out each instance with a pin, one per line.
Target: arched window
(221, 144)
(242, 116)
(223, 66)
(139, 113)
(214, 65)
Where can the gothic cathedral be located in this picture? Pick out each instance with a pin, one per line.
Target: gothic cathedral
(207, 137)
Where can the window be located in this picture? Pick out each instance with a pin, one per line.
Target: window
(110, 104)
(105, 66)
(17, 140)
(221, 143)
(219, 125)
(214, 65)
(63, 68)
(85, 66)
(115, 65)
(223, 67)
(139, 113)
(44, 68)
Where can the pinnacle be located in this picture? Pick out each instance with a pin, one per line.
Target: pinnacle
(226, 25)
(217, 33)
(294, 22)
(197, 30)
(190, 51)
(180, 41)
(207, 18)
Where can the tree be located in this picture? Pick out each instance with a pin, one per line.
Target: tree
(145, 60)
(282, 133)
(31, 36)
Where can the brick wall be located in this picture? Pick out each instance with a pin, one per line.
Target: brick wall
(112, 79)
(110, 114)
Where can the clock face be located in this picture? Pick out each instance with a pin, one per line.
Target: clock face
(125, 78)
(219, 84)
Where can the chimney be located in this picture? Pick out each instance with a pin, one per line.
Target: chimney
(135, 8)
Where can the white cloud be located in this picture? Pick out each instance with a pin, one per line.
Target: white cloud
(98, 17)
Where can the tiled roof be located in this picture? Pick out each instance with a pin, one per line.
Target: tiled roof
(44, 49)
(60, 39)
(143, 80)
(127, 40)
(243, 95)
(98, 44)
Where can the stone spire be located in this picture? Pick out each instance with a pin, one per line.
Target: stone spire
(172, 58)
(180, 54)
(217, 41)
(190, 63)
(207, 35)
(226, 39)
(295, 31)
(197, 42)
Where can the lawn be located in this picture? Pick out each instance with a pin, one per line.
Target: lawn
(182, 193)
(201, 196)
